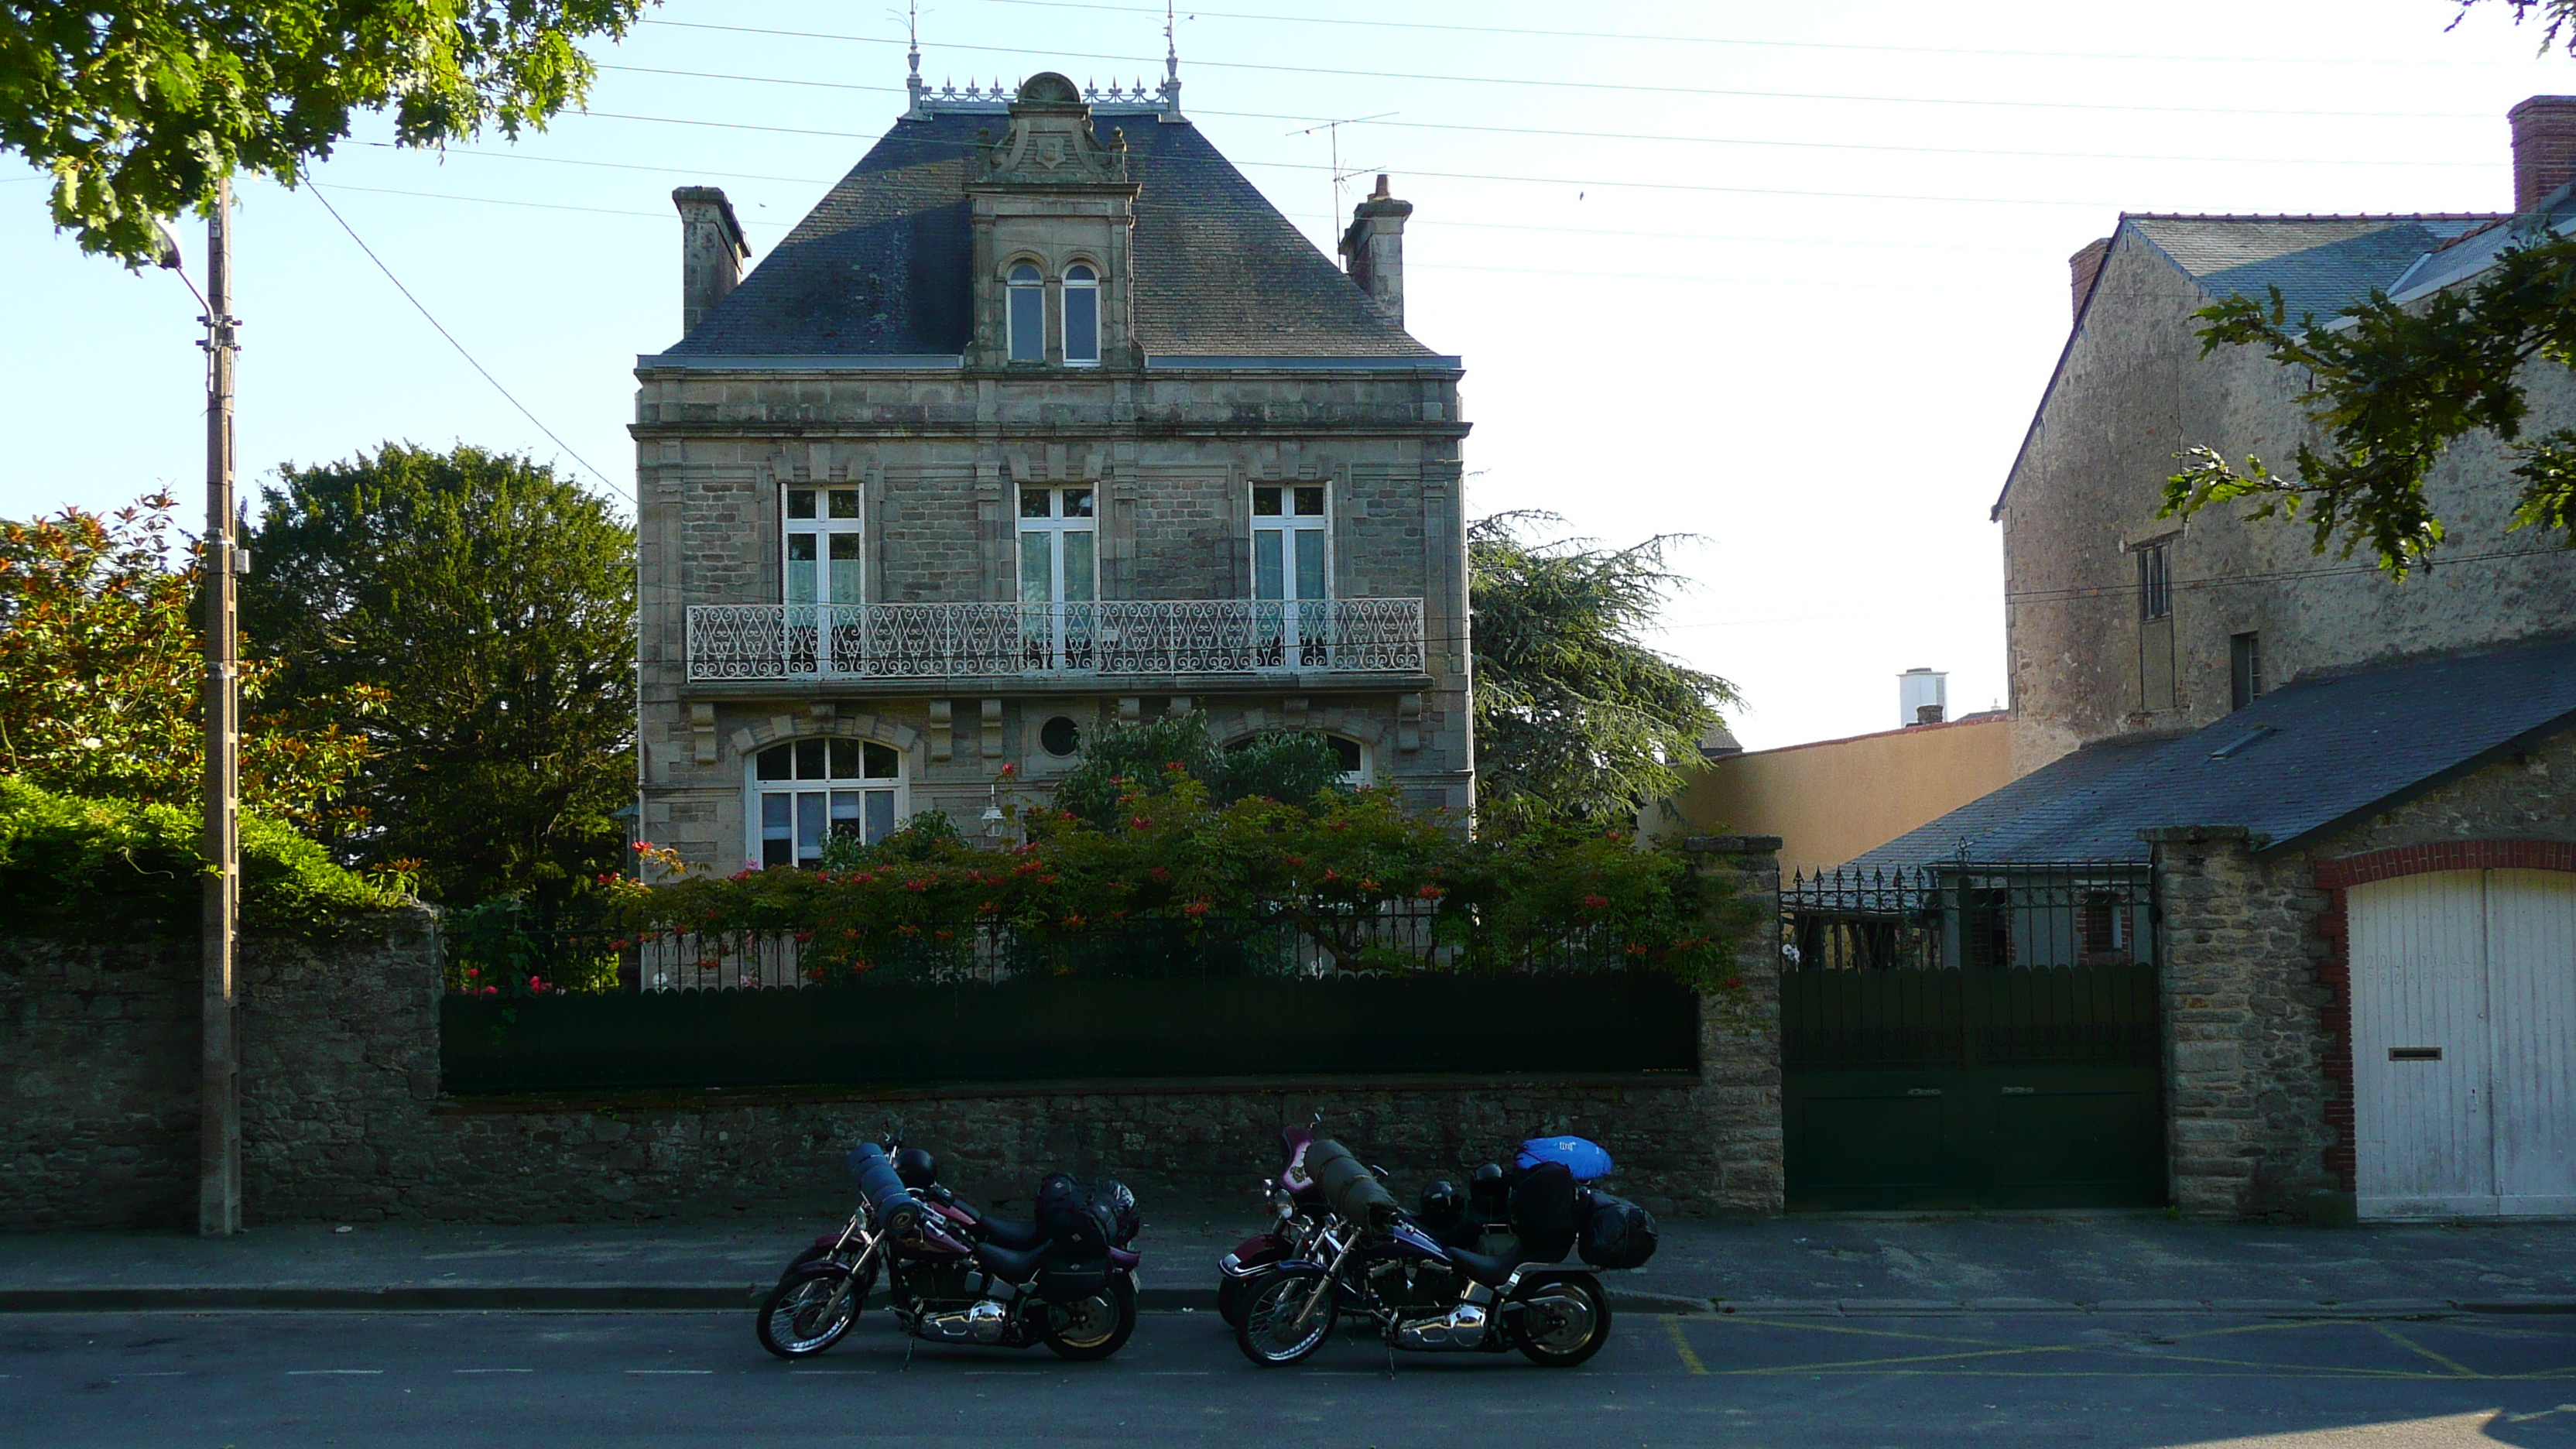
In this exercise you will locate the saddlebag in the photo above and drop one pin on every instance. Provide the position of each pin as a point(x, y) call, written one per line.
point(1070, 1280)
point(1618, 1233)
point(1349, 1186)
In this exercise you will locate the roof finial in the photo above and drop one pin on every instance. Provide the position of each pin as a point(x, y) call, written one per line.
point(912, 85)
point(1171, 87)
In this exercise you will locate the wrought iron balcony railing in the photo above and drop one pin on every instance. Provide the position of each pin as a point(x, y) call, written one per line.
point(1109, 638)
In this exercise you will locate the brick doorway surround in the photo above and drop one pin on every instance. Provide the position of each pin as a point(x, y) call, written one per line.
point(2336, 878)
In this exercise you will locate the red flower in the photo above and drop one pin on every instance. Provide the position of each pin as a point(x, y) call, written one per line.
point(1596, 903)
point(1010, 771)
point(1431, 892)
point(988, 908)
point(804, 936)
point(919, 883)
point(1196, 909)
point(1368, 883)
point(907, 929)
point(1636, 948)
point(491, 990)
point(742, 874)
point(1159, 873)
point(1073, 923)
point(1174, 766)
point(1296, 862)
point(1049, 878)
point(1139, 822)
point(470, 971)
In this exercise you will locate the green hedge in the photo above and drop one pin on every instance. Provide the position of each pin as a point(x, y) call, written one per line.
point(112, 869)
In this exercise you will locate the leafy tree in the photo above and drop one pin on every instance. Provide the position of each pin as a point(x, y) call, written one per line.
point(138, 107)
point(2395, 386)
point(1576, 717)
point(493, 602)
point(102, 672)
point(1290, 767)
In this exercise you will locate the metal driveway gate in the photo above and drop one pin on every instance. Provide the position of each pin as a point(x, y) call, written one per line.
point(1972, 1036)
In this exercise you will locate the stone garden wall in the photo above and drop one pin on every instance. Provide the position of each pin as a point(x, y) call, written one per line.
point(343, 1117)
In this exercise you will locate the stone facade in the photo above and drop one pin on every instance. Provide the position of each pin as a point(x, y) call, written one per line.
point(2257, 991)
point(938, 449)
point(343, 1118)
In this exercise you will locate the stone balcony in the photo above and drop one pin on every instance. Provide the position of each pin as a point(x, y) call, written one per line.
point(1108, 642)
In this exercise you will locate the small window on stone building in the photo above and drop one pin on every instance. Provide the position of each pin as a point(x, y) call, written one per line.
point(2244, 669)
point(1081, 316)
point(2155, 585)
point(824, 554)
point(1027, 318)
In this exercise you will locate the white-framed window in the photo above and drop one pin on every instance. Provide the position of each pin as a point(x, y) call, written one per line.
point(804, 792)
point(1027, 313)
point(1081, 316)
point(824, 546)
point(1059, 553)
point(1292, 542)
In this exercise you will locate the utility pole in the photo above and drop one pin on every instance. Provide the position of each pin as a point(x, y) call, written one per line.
point(219, 1152)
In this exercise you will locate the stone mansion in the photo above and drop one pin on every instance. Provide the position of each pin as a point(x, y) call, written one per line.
point(1043, 419)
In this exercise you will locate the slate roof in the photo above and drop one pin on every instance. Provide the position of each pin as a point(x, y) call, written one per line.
point(2322, 264)
point(2305, 760)
point(880, 268)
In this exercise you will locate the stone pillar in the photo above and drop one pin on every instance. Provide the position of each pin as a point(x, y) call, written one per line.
point(1738, 1101)
point(2245, 1024)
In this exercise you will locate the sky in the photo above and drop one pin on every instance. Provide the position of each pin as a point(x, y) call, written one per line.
point(1785, 281)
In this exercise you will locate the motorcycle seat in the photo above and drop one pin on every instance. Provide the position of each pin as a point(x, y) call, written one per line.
point(1491, 1269)
point(1011, 1265)
point(1018, 1237)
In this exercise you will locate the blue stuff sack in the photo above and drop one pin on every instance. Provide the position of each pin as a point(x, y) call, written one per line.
point(1584, 1158)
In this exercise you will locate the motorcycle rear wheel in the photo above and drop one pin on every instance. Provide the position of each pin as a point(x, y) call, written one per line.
point(1287, 1315)
point(1561, 1322)
point(1094, 1327)
point(799, 1320)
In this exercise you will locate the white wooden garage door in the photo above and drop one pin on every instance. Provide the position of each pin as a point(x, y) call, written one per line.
point(2464, 1043)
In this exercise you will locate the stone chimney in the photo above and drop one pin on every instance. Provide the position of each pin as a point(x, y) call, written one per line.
point(1373, 250)
point(2544, 147)
point(711, 251)
point(2085, 266)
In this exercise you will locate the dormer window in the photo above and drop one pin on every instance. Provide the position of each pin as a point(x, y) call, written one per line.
point(1081, 316)
point(1028, 314)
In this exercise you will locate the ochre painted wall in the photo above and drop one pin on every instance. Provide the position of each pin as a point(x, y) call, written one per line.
point(1834, 799)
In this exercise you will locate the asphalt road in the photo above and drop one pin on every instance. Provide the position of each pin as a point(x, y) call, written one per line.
point(253, 1380)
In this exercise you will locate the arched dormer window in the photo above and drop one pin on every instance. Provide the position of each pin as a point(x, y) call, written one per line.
point(1027, 314)
point(1081, 316)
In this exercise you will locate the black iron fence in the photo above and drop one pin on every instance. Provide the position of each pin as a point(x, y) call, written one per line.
point(1227, 997)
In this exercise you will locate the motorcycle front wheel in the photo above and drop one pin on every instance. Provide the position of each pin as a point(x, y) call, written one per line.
point(1287, 1315)
point(1230, 1294)
point(1094, 1327)
point(1561, 1322)
point(799, 1318)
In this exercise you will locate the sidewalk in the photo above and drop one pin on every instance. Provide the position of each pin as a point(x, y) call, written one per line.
point(1835, 1265)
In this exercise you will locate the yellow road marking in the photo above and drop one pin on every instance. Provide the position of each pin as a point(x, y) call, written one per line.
point(2454, 1365)
point(1681, 1345)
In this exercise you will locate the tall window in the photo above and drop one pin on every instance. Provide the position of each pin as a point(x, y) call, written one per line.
point(2244, 669)
point(1289, 535)
point(806, 791)
point(1028, 314)
point(1081, 316)
point(1058, 561)
point(824, 539)
point(2155, 586)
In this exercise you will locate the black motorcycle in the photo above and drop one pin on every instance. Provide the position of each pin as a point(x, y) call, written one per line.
point(1376, 1260)
point(954, 1275)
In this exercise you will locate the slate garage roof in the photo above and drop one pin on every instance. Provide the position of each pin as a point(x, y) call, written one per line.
point(2299, 763)
point(880, 268)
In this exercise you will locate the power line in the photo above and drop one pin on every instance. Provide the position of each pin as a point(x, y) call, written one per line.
point(1566, 181)
point(1440, 223)
point(1754, 44)
point(1618, 86)
point(459, 346)
point(1667, 137)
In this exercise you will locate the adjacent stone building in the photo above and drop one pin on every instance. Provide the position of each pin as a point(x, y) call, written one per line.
point(1042, 419)
point(2355, 796)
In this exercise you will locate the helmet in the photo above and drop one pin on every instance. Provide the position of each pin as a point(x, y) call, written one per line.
point(1487, 1190)
point(1442, 1205)
point(916, 1167)
point(1112, 1197)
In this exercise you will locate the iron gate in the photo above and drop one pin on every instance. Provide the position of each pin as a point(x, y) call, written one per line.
point(1972, 1036)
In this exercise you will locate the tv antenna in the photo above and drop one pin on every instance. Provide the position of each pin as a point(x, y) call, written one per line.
point(1333, 133)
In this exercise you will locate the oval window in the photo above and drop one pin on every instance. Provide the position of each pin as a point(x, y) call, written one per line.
point(1060, 736)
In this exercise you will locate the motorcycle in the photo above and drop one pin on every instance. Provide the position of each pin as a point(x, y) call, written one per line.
point(1426, 1295)
point(955, 1275)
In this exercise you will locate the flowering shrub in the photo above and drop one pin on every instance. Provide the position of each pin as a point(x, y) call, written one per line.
point(1170, 859)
